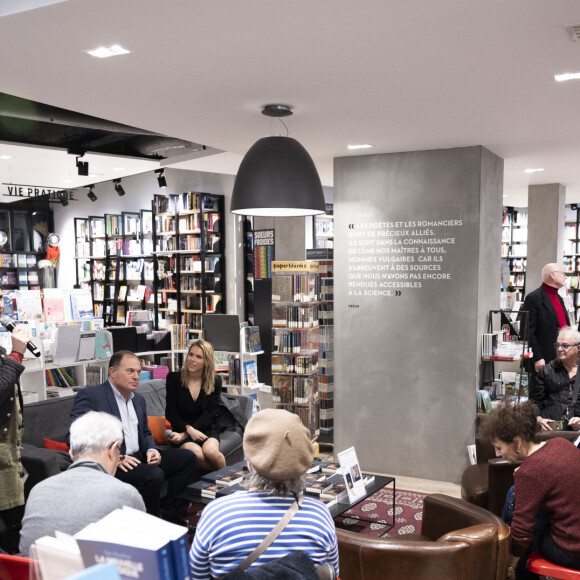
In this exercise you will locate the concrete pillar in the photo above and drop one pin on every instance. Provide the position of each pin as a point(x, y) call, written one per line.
point(545, 229)
point(417, 269)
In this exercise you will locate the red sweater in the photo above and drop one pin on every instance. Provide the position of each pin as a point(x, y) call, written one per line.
point(547, 481)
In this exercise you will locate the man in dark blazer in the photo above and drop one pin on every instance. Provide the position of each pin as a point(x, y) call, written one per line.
point(142, 464)
point(547, 314)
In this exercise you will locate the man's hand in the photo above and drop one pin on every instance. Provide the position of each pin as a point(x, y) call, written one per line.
point(128, 462)
point(538, 365)
point(574, 423)
point(545, 423)
point(20, 337)
point(153, 457)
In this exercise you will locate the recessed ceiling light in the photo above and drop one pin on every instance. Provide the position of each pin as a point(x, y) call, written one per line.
point(67, 180)
point(567, 76)
point(533, 170)
point(4, 157)
point(95, 174)
point(365, 146)
point(107, 51)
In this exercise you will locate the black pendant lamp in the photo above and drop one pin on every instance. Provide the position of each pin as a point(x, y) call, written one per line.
point(277, 177)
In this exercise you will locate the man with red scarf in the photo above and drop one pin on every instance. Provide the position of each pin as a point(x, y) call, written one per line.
point(547, 314)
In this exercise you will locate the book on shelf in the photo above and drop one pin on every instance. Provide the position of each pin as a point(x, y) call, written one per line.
point(81, 304)
point(29, 304)
point(252, 342)
point(282, 288)
point(103, 344)
point(250, 373)
point(9, 278)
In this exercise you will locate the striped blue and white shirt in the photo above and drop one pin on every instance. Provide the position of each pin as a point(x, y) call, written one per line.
point(231, 527)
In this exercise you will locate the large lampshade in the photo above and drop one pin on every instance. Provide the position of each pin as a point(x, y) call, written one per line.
point(277, 177)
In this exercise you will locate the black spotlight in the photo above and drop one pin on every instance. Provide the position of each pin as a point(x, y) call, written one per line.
point(82, 167)
point(161, 177)
point(91, 195)
point(118, 187)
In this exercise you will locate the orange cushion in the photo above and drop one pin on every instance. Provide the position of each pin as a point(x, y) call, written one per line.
point(55, 445)
point(158, 427)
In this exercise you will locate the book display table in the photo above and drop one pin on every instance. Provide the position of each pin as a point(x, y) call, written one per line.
point(193, 494)
point(379, 482)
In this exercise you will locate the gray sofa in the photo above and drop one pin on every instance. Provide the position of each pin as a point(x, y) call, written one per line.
point(50, 419)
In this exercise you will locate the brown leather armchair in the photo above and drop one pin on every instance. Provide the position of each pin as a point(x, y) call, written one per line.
point(458, 541)
point(486, 484)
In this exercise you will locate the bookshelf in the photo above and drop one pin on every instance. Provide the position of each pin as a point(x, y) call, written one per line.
point(571, 260)
point(295, 303)
point(249, 275)
point(189, 262)
point(23, 235)
point(323, 229)
point(514, 237)
point(324, 257)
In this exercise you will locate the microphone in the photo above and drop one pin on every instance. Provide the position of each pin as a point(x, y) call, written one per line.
point(10, 326)
point(168, 434)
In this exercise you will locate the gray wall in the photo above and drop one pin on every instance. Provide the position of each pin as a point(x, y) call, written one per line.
point(546, 212)
point(407, 363)
point(139, 195)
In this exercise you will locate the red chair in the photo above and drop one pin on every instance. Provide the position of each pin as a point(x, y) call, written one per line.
point(18, 568)
point(538, 565)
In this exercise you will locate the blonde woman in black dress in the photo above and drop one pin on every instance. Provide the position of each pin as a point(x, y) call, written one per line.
point(192, 406)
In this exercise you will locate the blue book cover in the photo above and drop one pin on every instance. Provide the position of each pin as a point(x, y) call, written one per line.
point(98, 572)
point(133, 563)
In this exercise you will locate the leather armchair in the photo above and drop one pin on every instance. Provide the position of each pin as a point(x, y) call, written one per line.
point(459, 541)
point(486, 484)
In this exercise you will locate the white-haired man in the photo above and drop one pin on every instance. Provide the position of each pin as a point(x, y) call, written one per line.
point(87, 490)
point(547, 314)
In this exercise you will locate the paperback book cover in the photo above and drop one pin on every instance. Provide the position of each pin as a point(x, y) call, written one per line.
point(250, 373)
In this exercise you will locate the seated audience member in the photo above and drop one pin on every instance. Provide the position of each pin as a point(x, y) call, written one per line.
point(546, 514)
point(553, 390)
point(87, 490)
point(278, 451)
point(142, 464)
point(192, 405)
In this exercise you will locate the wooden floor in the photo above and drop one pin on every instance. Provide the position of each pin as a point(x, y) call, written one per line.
point(412, 483)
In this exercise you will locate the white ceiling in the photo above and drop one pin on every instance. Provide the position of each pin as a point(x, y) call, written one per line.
point(399, 74)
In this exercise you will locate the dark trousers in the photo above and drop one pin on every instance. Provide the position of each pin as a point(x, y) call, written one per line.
point(548, 549)
point(177, 466)
point(10, 525)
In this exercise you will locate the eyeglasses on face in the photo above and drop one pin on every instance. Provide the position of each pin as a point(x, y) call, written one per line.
point(563, 345)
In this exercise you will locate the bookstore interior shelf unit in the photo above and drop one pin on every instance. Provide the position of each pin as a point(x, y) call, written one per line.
point(23, 243)
point(295, 325)
point(514, 248)
point(571, 261)
point(249, 277)
point(324, 257)
point(506, 344)
point(168, 260)
point(55, 375)
point(189, 269)
point(323, 228)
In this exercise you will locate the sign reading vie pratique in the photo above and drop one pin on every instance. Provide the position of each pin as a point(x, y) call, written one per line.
point(53, 193)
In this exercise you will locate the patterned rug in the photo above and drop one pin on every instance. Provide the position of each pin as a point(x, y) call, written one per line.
point(371, 516)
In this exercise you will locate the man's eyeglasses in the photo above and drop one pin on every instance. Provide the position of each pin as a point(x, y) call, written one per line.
point(563, 345)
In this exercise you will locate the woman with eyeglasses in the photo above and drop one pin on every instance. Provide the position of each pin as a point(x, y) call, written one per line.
point(555, 392)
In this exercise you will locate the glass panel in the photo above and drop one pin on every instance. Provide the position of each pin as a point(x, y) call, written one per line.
point(39, 230)
point(6, 239)
point(21, 233)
